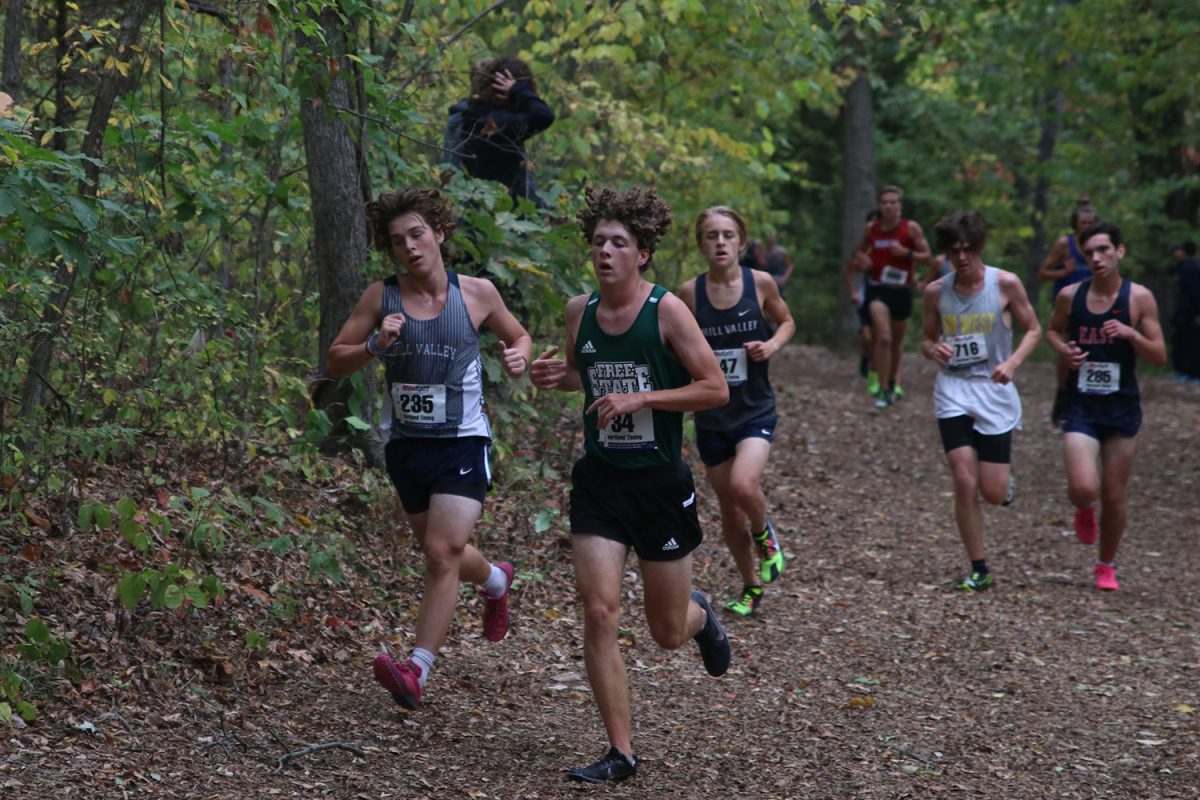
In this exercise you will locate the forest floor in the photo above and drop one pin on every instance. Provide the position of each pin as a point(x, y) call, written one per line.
point(863, 675)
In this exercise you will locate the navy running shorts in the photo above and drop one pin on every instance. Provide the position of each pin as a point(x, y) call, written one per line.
point(960, 432)
point(1102, 417)
point(651, 509)
point(717, 447)
point(421, 468)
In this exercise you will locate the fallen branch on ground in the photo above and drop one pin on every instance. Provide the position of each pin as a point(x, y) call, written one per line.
point(316, 748)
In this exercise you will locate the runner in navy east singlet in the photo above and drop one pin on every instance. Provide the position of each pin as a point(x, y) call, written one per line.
point(744, 320)
point(1101, 327)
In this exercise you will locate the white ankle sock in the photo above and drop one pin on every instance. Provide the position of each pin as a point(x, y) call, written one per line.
point(423, 659)
point(496, 584)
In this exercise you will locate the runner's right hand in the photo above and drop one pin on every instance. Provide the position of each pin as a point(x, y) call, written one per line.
point(389, 330)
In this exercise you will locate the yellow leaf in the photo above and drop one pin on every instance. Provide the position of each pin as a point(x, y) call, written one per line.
point(1185, 708)
point(46, 137)
point(304, 521)
point(166, 82)
point(124, 68)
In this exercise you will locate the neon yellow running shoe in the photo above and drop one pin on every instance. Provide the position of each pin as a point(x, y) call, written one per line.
point(745, 605)
point(770, 553)
point(975, 583)
point(872, 383)
point(898, 392)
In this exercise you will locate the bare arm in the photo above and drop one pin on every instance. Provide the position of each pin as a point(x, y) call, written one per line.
point(1056, 334)
point(775, 310)
point(516, 346)
point(1053, 267)
point(1022, 311)
point(1148, 342)
point(687, 293)
point(787, 273)
point(932, 346)
point(920, 247)
point(349, 353)
point(548, 372)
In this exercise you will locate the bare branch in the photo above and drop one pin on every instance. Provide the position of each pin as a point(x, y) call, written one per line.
point(429, 59)
point(316, 748)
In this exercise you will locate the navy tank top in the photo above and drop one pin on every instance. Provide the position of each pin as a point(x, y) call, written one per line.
point(727, 331)
point(1109, 371)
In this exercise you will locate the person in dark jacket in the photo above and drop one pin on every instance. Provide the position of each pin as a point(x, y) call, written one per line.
point(502, 113)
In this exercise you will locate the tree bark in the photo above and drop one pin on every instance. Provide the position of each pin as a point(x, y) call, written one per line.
point(340, 244)
point(112, 85)
point(14, 27)
point(858, 194)
point(1051, 114)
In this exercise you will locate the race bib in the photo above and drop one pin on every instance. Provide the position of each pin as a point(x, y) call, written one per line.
point(629, 431)
point(1099, 377)
point(733, 364)
point(419, 403)
point(893, 276)
point(969, 349)
point(626, 431)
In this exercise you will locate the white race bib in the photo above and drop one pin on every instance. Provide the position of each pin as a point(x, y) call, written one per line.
point(733, 364)
point(893, 276)
point(629, 431)
point(1099, 377)
point(969, 349)
point(419, 403)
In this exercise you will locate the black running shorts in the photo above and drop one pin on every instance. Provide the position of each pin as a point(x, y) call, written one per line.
point(421, 468)
point(960, 432)
point(652, 509)
point(898, 299)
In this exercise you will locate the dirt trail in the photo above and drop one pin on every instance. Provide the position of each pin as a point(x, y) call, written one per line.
point(864, 675)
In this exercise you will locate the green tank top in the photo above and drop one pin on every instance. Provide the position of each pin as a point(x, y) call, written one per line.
point(634, 361)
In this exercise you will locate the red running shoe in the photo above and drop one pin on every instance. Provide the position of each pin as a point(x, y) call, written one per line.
point(1086, 526)
point(1106, 578)
point(495, 610)
point(402, 680)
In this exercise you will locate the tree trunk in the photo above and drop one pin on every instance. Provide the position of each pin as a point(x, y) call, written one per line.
point(14, 24)
point(1051, 114)
point(340, 242)
point(112, 84)
point(858, 195)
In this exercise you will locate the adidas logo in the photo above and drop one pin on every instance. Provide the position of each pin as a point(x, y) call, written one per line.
point(588, 347)
point(671, 545)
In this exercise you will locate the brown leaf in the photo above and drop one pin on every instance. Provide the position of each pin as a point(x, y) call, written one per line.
point(41, 522)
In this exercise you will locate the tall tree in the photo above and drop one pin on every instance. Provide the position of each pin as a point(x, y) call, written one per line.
point(113, 83)
point(858, 190)
point(14, 24)
point(335, 172)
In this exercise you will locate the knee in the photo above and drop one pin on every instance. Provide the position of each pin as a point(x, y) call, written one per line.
point(966, 482)
point(601, 616)
point(442, 557)
point(743, 494)
point(669, 634)
point(993, 495)
point(883, 338)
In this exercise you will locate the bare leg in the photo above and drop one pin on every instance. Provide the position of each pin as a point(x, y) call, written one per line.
point(1116, 456)
point(737, 483)
point(599, 565)
point(881, 324)
point(967, 513)
point(993, 481)
point(672, 616)
point(443, 531)
point(1081, 453)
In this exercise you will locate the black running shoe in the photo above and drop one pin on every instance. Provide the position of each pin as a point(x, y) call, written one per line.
point(615, 767)
point(714, 644)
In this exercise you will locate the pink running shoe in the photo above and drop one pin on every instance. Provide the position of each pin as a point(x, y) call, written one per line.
point(495, 610)
point(1086, 527)
point(402, 680)
point(1106, 578)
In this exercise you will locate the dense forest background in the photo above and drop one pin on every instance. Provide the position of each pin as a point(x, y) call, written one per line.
point(182, 228)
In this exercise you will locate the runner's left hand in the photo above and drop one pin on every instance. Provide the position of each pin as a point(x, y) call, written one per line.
point(513, 360)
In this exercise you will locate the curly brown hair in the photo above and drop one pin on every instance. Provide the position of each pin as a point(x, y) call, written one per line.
point(485, 69)
point(640, 210)
point(429, 204)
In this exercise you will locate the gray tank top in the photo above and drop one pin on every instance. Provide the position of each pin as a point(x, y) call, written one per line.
point(434, 372)
point(975, 327)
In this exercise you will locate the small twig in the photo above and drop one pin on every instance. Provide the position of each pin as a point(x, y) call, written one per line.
point(316, 748)
point(429, 59)
point(112, 713)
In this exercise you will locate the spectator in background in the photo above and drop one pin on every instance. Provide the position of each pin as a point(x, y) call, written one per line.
point(502, 113)
point(1185, 339)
